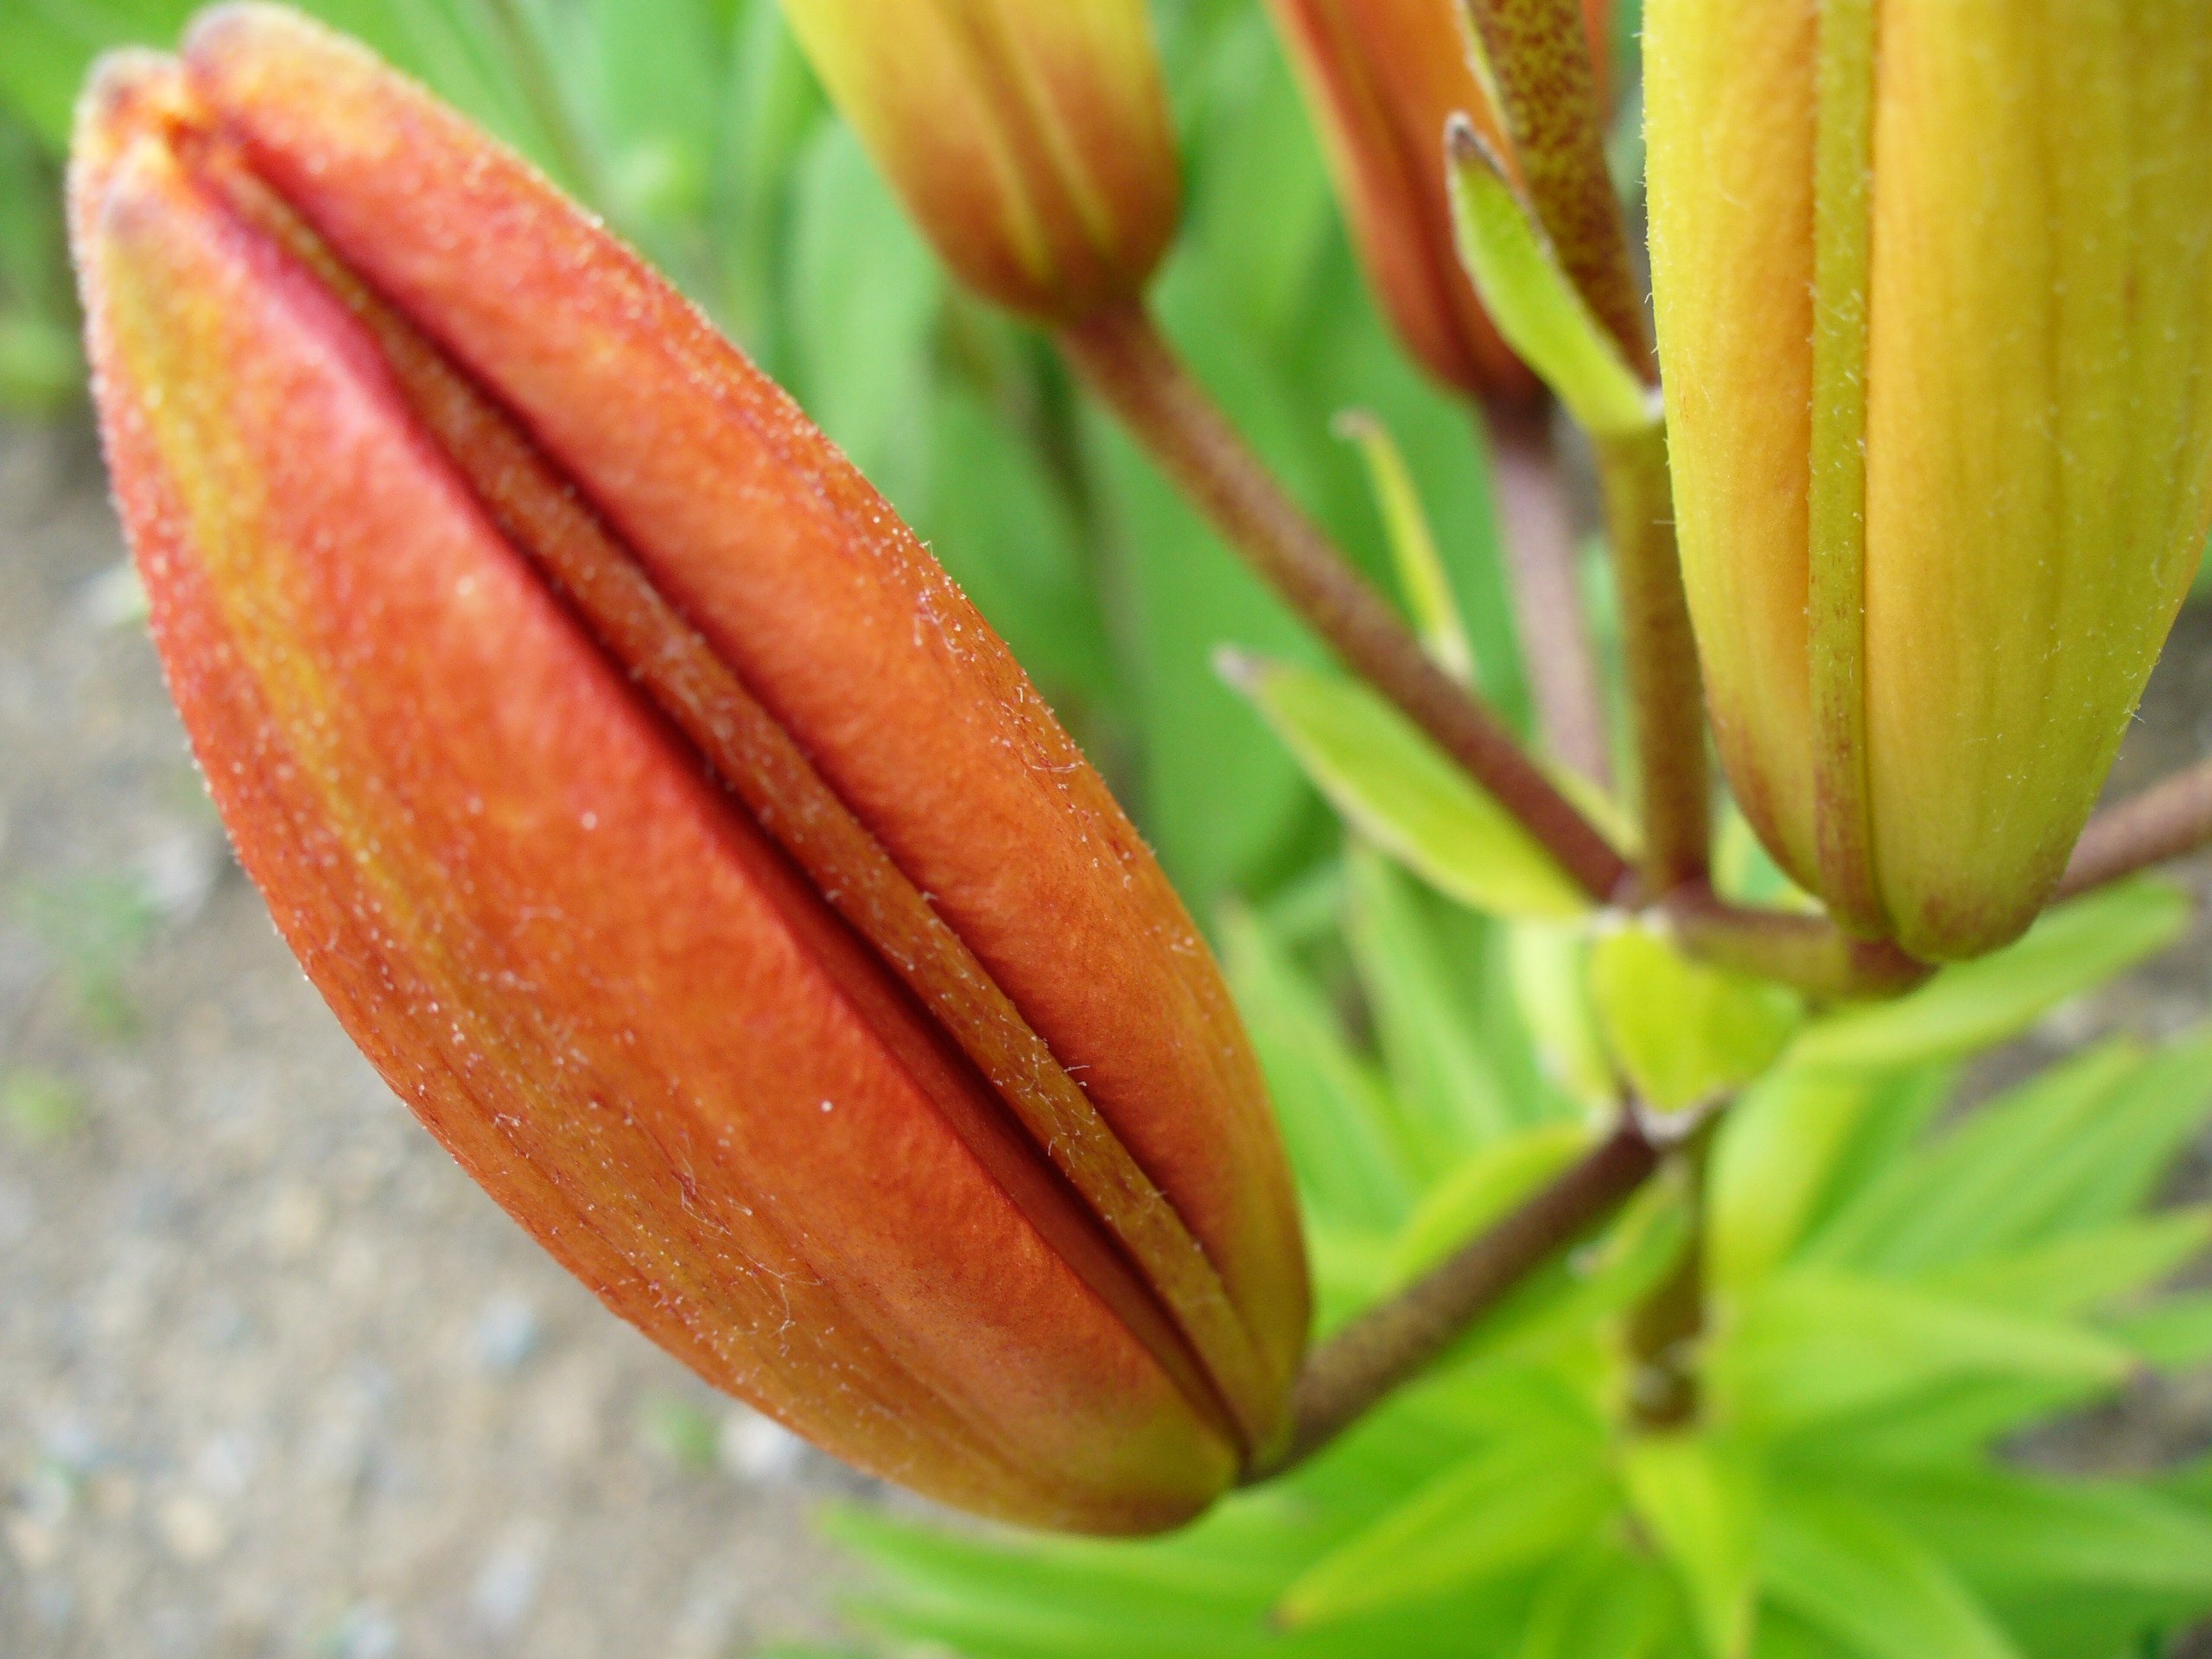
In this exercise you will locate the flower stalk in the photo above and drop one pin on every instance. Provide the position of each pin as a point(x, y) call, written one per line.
point(1121, 355)
point(1390, 1344)
point(1550, 618)
point(1664, 684)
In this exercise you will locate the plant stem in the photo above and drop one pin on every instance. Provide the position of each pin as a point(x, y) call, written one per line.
point(2165, 821)
point(1121, 354)
point(1810, 953)
point(1663, 1330)
point(1665, 685)
point(1547, 607)
point(1385, 1347)
point(1538, 52)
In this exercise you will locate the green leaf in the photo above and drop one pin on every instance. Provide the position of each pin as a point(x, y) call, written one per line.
point(867, 298)
point(1399, 790)
point(1533, 300)
point(1984, 1185)
point(1812, 1345)
point(1776, 1154)
point(2007, 1530)
point(1220, 798)
point(1850, 1573)
point(2173, 1331)
point(1602, 1602)
point(1422, 577)
point(1548, 966)
point(2119, 1158)
point(1968, 1007)
point(1502, 1511)
point(1480, 1190)
point(1345, 1144)
point(1428, 1030)
point(1683, 1031)
point(2080, 1272)
point(1699, 1506)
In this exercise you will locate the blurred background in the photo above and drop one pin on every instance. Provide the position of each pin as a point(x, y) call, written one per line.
point(274, 1377)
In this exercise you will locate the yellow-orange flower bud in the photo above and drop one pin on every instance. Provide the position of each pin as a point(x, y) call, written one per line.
point(1934, 297)
point(1030, 139)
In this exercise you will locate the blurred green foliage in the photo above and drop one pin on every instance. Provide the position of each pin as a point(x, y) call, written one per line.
point(696, 129)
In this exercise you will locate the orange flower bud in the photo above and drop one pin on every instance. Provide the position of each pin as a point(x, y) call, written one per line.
point(1384, 77)
point(1030, 139)
point(655, 815)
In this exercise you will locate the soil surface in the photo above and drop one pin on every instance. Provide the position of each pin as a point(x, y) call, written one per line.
point(275, 1378)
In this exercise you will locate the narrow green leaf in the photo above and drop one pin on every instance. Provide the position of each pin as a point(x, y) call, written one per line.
point(1345, 1144)
point(1965, 1009)
point(866, 296)
point(1683, 1032)
point(1985, 1182)
point(1421, 578)
point(1480, 1190)
point(1395, 786)
point(1698, 1502)
point(1849, 1572)
point(2118, 1159)
point(2173, 1331)
point(1549, 967)
point(1501, 1511)
point(1812, 1345)
point(2005, 1530)
point(2078, 1273)
point(1602, 1602)
point(1533, 300)
point(1776, 1154)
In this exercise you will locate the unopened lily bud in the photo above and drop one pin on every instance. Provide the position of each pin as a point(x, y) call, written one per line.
point(658, 818)
point(1934, 282)
point(1030, 139)
point(1385, 78)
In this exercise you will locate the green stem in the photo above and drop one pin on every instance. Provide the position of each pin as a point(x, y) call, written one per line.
point(1663, 1329)
point(1121, 354)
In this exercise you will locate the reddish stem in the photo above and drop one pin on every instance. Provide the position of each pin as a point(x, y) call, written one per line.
point(1549, 612)
point(1387, 1346)
point(1122, 356)
point(2165, 821)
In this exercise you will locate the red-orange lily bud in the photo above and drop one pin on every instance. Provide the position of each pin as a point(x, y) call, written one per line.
point(1384, 77)
point(655, 815)
point(1030, 139)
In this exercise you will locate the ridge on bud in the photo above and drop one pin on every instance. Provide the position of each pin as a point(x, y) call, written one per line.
point(1934, 283)
point(658, 818)
point(1384, 78)
point(1030, 139)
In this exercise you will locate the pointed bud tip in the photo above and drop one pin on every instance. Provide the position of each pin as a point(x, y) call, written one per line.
point(1466, 145)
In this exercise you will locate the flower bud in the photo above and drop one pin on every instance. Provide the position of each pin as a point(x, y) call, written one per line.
point(1384, 77)
point(658, 818)
point(1934, 282)
point(1030, 139)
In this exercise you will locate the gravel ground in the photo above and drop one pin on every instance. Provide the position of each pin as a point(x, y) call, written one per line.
point(274, 1377)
